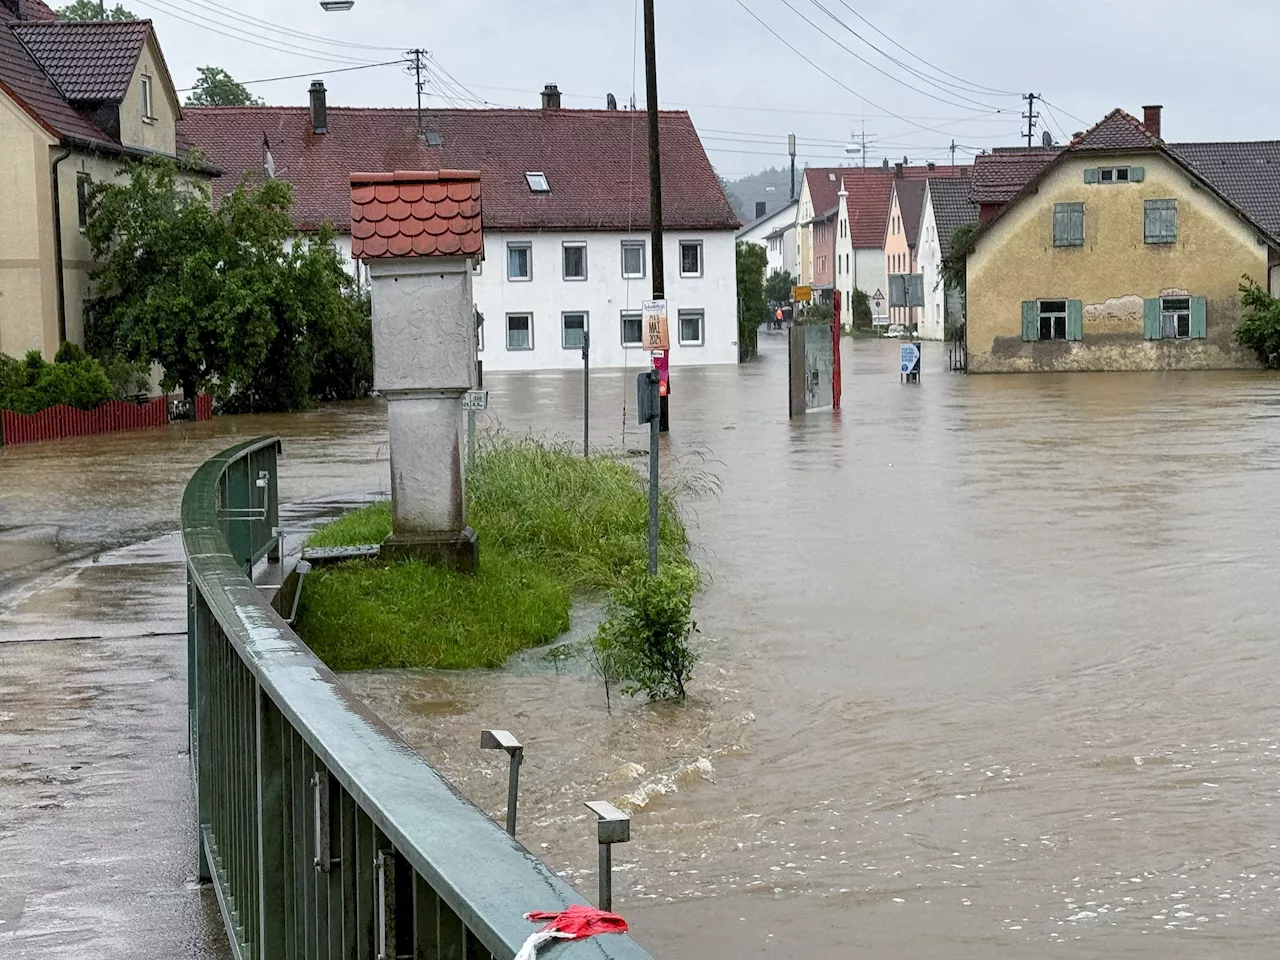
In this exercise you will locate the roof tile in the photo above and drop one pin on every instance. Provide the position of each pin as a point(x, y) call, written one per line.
point(595, 161)
point(88, 60)
point(388, 224)
point(1116, 131)
point(952, 209)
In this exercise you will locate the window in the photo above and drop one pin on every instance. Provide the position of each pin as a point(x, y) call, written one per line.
point(479, 332)
point(691, 328)
point(537, 181)
point(146, 99)
point(83, 183)
point(519, 331)
point(575, 261)
point(1175, 318)
point(1068, 224)
point(1162, 221)
point(573, 326)
point(1053, 320)
point(1115, 175)
point(633, 259)
point(690, 258)
point(631, 328)
point(519, 261)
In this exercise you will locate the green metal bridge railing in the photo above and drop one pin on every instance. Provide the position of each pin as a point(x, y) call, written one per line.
point(323, 833)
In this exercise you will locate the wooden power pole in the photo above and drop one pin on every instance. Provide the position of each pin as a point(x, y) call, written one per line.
point(655, 179)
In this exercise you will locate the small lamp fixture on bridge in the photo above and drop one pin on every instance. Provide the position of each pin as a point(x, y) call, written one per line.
point(612, 826)
point(503, 740)
point(336, 6)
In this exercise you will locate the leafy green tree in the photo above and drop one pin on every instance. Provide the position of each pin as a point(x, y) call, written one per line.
point(230, 301)
point(954, 267)
point(752, 311)
point(777, 289)
point(1259, 329)
point(646, 637)
point(858, 313)
point(216, 88)
point(92, 10)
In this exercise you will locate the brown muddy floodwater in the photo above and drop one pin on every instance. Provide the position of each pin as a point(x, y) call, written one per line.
point(995, 673)
point(991, 665)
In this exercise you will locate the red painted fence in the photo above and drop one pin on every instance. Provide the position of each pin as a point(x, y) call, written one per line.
point(64, 421)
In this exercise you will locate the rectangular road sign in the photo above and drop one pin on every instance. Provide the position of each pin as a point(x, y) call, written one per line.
point(655, 332)
point(475, 400)
point(801, 294)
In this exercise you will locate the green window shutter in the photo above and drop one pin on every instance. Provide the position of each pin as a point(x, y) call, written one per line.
point(1199, 318)
point(1137, 174)
point(1030, 320)
point(1091, 175)
point(1075, 319)
point(1151, 319)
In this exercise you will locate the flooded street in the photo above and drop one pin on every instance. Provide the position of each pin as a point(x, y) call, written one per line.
point(990, 663)
point(995, 668)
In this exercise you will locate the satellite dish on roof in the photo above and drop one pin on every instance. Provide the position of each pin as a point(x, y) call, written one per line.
point(1046, 139)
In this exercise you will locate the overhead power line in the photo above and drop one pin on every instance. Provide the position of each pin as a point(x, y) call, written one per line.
point(309, 73)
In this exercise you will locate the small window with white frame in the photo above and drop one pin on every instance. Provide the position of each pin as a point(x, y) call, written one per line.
point(632, 328)
point(519, 331)
point(691, 327)
point(690, 258)
point(147, 116)
point(633, 260)
point(519, 261)
point(1175, 318)
point(574, 256)
point(538, 182)
point(573, 327)
point(1053, 319)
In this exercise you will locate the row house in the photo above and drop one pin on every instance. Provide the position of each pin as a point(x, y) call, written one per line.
point(776, 233)
point(566, 215)
point(1120, 251)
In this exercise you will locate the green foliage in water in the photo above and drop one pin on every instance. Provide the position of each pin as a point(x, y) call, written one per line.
point(1259, 328)
point(31, 385)
point(550, 523)
point(648, 630)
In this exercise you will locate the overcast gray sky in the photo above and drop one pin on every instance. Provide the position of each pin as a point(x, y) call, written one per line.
point(1211, 65)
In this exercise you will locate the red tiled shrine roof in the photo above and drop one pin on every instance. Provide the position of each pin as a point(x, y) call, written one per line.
point(416, 213)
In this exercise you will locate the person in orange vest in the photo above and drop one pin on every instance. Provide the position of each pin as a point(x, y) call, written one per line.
point(778, 317)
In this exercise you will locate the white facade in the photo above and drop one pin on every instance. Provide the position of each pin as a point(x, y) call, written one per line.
point(776, 232)
point(859, 267)
point(932, 321)
point(548, 305)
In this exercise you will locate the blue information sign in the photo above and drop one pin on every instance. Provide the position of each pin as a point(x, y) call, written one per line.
point(910, 358)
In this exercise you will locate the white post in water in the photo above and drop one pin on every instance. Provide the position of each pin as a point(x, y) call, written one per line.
point(419, 234)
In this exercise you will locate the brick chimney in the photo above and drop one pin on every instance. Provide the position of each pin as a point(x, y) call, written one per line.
point(551, 97)
point(897, 171)
point(1151, 120)
point(319, 109)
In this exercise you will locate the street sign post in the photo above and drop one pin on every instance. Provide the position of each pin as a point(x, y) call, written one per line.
point(801, 294)
point(909, 363)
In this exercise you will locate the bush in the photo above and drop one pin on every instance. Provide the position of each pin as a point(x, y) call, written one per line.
point(31, 385)
point(1259, 329)
point(858, 311)
point(818, 313)
point(648, 629)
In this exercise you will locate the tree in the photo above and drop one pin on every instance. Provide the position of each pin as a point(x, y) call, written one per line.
point(1259, 328)
point(91, 10)
point(752, 311)
point(954, 267)
point(216, 88)
point(230, 301)
point(777, 289)
point(645, 639)
point(858, 312)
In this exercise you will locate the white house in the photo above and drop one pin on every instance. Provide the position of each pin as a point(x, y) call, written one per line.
point(776, 232)
point(566, 214)
point(946, 208)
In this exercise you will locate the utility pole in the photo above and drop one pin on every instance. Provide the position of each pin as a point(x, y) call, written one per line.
point(655, 185)
point(1031, 116)
point(864, 144)
point(415, 56)
point(953, 151)
point(791, 149)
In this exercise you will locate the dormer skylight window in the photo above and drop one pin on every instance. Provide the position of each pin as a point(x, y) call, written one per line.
point(538, 182)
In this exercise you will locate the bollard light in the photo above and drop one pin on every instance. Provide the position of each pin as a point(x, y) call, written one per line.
point(504, 740)
point(612, 826)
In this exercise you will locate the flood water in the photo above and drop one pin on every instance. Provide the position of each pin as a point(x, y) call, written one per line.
point(990, 663)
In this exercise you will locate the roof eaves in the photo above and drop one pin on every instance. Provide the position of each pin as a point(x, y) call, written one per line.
point(30, 111)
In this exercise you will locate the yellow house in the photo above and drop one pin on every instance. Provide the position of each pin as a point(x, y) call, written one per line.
point(76, 100)
point(1124, 253)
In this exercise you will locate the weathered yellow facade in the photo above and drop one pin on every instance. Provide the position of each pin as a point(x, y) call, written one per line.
point(28, 150)
point(1113, 272)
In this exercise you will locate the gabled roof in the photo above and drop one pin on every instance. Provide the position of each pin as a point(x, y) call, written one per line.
point(910, 195)
point(91, 60)
point(788, 207)
point(870, 192)
point(1243, 176)
point(1116, 131)
point(999, 176)
point(952, 209)
point(595, 161)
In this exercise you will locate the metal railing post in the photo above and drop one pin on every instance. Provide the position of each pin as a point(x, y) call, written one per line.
point(612, 826)
point(503, 740)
